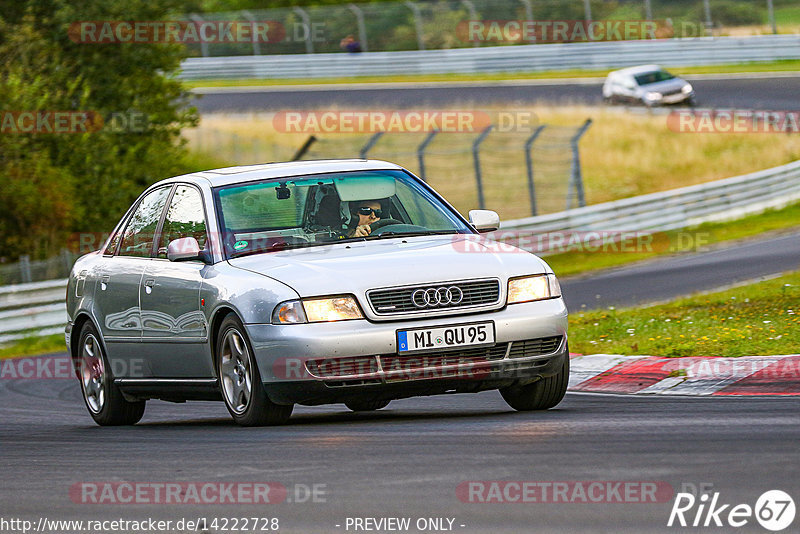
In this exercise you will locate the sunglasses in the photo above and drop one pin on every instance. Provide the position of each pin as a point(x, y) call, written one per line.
point(366, 212)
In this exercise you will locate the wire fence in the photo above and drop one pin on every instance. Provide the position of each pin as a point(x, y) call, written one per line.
point(442, 24)
point(26, 270)
point(518, 174)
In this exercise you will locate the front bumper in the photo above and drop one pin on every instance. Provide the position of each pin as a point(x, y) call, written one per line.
point(283, 353)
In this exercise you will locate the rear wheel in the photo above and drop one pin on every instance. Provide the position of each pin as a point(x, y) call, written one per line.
point(539, 395)
point(103, 398)
point(366, 406)
point(240, 381)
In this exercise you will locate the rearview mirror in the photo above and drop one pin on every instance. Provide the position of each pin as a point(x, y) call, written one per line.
point(183, 249)
point(484, 220)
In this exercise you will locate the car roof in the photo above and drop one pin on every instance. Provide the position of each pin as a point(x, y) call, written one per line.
point(265, 171)
point(638, 69)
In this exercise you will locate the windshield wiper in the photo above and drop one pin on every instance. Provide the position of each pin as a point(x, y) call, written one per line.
point(412, 234)
point(274, 247)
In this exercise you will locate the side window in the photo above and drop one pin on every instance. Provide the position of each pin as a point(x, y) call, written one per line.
point(137, 239)
point(185, 218)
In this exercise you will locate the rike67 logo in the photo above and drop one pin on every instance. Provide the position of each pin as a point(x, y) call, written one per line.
point(774, 510)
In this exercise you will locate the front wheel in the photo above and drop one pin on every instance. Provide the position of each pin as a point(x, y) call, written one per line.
point(103, 398)
point(539, 395)
point(240, 381)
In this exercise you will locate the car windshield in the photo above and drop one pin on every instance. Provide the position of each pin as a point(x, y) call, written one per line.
point(655, 76)
point(307, 211)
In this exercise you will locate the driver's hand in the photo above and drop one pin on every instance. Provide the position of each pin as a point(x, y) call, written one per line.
point(362, 231)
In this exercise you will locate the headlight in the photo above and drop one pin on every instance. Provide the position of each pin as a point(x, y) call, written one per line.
point(317, 310)
point(530, 288)
point(331, 309)
point(687, 89)
point(653, 96)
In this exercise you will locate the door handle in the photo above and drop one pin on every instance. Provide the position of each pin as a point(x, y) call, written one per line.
point(104, 282)
point(148, 285)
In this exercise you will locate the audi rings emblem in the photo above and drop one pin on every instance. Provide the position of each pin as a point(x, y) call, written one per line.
point(433, 297)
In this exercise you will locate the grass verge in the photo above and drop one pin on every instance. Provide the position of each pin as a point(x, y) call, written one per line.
point(772, 66)
point(678, 241)
point(33, 346)
point(760, 319)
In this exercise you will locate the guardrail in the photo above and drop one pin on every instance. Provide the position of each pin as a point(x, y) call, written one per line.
point(519, 58)
point(39, 308)
point(719, 200)
point(32, 309)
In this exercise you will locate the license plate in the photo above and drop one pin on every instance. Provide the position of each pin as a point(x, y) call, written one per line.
point(445, 337)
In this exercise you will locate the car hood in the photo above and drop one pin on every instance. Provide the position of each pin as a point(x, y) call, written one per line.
point(360, 266)
point(667, 86)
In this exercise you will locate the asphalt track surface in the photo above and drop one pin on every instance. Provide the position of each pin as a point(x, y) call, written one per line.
point(762, 93)
point(408, 459)
point(665, 279)
point(404, 461)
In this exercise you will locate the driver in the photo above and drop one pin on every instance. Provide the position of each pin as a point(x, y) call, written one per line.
point(363, 214)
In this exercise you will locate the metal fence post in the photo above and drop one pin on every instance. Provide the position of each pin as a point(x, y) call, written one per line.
point(477, 161)
point(648, 9)
point(473, 15)
point(587, 10)
point(371, 143)
point(576, 178)
point(771, 16)
point(256, 44)
point(66, 257)
point(303, 149)
point(417, 23)
point(528, 10)
point(362, 28)
point(421, 152)
point(25, 269)
point(707, 11)
point(307, 23)
point(529, 167)
point(203, 44)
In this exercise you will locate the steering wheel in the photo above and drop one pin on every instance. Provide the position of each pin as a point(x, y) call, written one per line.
point(377, 225)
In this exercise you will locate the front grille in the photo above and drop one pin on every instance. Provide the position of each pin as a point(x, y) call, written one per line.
point(400, 300)
point(404, 362)
point(534, 347)
point(335, 367)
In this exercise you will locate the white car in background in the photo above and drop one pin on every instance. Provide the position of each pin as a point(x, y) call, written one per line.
point(647, 84)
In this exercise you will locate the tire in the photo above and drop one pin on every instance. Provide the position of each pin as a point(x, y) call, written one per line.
point(366, 406)
point(539, 395)
point(102, 397)
point(240, 382)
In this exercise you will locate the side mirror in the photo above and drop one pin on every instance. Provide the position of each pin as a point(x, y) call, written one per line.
point(484, 220)
point(183, 249)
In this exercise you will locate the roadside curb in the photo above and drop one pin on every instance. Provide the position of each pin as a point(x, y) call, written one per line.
point(698, 376)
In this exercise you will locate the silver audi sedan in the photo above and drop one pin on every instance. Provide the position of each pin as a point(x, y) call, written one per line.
point(342, 281)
